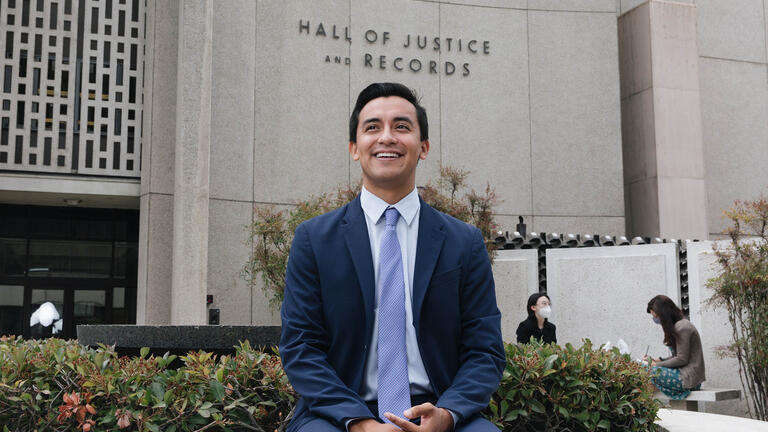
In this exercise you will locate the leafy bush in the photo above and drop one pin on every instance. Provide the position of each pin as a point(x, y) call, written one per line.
point(546, 387)
point(55, 385)
point(741, 289)
point(271, 233)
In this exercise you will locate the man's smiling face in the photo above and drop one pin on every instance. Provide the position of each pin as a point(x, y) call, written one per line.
point(389, 146)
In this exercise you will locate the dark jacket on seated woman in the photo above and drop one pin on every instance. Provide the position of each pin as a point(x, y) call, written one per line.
point(530, 327)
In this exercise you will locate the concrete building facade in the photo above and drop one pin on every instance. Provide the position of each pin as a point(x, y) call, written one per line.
point(587, 116)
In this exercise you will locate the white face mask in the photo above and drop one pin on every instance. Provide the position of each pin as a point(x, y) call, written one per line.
point(545, 312)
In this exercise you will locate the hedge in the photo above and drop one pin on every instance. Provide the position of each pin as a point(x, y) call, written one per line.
point(58, 385)
point(546, 387)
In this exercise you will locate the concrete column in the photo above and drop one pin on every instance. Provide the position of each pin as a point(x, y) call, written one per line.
point(192, 160)
point(153, 300)
point(664, 182)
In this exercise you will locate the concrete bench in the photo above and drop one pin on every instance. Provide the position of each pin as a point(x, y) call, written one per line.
point(691, 403)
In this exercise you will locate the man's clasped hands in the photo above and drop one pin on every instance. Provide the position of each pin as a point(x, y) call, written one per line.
point(433, 419)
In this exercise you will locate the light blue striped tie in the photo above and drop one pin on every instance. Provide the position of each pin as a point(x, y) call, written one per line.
point(394, 387)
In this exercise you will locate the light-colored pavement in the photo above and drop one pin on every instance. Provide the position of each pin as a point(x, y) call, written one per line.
point(690, 421)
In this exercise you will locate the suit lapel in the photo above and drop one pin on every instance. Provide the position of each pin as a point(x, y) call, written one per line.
point(356, 236)
point(428, 246)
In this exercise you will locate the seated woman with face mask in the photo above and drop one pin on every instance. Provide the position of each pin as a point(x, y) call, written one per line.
point(536, 325)
point(677, 375)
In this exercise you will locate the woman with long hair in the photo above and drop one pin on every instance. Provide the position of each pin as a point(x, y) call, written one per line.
point(683, 371)
point(537, 325)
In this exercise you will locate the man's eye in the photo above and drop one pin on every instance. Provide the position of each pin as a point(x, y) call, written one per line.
point(370, 127)
point(403, 126)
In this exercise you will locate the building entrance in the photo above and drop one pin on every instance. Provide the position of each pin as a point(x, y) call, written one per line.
point(60, 267)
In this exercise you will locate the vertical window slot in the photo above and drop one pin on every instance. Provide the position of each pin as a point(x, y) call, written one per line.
point(89, 154)
point(19, 150)
point(116, 155)
point(51, 66)
point(95, 20)
point(23, 64)
point(107, 47)
point(54, 15)
point(20, 114)
point(121, 23)
point(25, 13)
point(38, 47)
point(65, 49)
point(135, 11)
point(133, 56)
point(47, 151)
point(8, 79)
point(119, 77)
point(9, 44)
point(36, 81)
point(118, 121)
point(132, 89)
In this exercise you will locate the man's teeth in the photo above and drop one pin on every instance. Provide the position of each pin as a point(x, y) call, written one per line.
point(387, 155)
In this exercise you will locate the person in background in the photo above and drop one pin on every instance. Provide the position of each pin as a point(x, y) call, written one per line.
point(677, 375)
point(537, 325)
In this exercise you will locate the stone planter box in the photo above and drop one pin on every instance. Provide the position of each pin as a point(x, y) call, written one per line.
point(179, 340)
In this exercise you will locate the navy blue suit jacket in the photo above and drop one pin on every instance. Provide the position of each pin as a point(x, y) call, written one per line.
point(328, 314)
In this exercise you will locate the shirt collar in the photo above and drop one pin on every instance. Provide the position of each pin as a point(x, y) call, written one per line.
point(374, 206)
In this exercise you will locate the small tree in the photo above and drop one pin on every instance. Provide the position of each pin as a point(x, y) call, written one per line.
point(271, 233)
point(741, 289)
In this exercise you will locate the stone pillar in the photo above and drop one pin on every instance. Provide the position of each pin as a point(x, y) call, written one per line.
point(664, 183)
point(153, 299)
point(192, 160)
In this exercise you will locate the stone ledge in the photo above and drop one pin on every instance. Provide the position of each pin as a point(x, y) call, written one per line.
point(219, 339)
point(688, 421)
point(707, 395)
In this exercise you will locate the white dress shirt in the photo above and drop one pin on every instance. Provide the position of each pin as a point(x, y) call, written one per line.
point(407, 235)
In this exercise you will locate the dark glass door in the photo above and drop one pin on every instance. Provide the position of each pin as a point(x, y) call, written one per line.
point(11, 309)
point(48, 315)
point(56, 309)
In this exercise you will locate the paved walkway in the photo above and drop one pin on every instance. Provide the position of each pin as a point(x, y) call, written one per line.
point(690, 421)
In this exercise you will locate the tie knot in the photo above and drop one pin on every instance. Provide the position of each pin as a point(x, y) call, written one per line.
point(391, 215)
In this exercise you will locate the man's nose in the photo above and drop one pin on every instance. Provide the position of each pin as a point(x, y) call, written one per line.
point(387, 136)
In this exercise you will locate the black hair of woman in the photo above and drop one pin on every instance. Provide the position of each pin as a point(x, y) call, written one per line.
point(533, 299)
point(668, 314)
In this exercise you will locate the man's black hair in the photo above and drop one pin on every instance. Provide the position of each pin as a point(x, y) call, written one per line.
point(377, 90)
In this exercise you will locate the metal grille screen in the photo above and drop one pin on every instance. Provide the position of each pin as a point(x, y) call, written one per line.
point(72, 75)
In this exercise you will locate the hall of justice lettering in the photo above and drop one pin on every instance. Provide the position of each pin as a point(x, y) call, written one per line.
point(410, 41)
point(320, 30)
point(414, 65)
point(438, 44)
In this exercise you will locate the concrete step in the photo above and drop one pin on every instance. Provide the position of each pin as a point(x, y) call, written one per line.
point(707, 395)
point(691, 421)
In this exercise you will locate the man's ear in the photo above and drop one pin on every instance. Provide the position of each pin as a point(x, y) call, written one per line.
point(424, 149)
point(353, 150)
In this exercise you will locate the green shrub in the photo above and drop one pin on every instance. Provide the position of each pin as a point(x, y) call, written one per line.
point(546, 387)
point(56, 385)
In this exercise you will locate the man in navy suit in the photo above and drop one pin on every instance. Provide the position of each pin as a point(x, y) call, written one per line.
point(340, 344)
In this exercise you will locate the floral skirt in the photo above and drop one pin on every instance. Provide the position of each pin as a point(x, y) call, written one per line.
point(669, 382)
